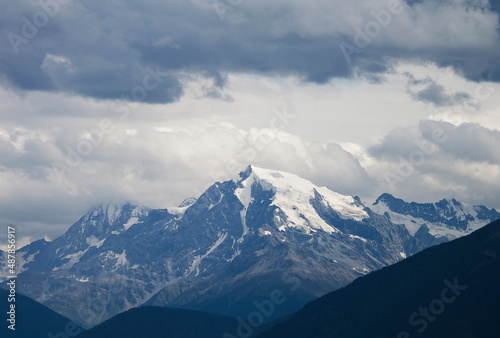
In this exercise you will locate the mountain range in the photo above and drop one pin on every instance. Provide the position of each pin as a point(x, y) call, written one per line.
point(450, 290)
point(259, 247)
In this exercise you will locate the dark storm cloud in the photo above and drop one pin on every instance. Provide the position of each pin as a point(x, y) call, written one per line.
point(428, 91)
point(101, 49)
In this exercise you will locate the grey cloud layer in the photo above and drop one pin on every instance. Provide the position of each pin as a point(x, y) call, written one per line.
point(462, 162)
point(428, 91)
point(101, 49)
point(468, 141)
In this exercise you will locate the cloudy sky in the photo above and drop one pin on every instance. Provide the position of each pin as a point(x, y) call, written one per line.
point(153, 101)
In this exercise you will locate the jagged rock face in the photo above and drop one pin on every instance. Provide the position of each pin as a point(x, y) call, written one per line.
point(446, 219)
point(233, 246)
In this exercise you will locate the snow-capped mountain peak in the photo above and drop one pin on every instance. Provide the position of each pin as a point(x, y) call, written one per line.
point(188, 202)
point(179, 211)
point(236, 238)
point(293, 195)
point(101, 222)
point(112, 212)
point(447, 218)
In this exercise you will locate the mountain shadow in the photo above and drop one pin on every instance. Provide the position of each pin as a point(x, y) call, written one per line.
point(450, 290)
point(33, 319)
point(158, 322)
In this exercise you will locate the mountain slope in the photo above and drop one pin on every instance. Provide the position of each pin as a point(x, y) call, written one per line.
point(293, 236)
point(33, 319)
point(450, 290)
point(156, 322)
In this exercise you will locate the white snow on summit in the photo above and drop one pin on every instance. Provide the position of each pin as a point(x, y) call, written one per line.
point(244, 194)
point(409, 222)
point(436, 229)
point(293, 195)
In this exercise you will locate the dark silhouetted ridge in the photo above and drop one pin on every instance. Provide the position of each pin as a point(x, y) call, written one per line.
point(33, 319)
point(158, 322)
point(458, 282)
